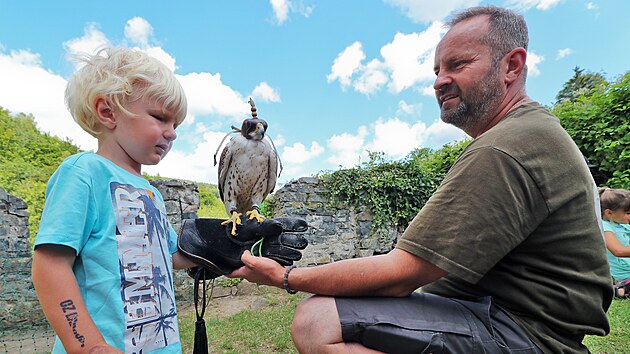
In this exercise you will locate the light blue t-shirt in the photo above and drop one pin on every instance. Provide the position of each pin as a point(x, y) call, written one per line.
point(117, 224)
point(619, 266)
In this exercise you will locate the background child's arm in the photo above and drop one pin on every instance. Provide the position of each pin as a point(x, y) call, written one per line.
point(615, 246)
point(61, 300)
point(182, 262)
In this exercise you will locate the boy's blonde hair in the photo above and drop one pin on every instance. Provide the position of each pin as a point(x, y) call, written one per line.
point(117, 74)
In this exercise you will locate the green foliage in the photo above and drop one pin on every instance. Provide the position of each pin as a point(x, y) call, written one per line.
point(266, 207)
point(598, 123)
point(581, 84)
point(210, 204)
point(228, 282)
point(393, 190)
point(27, 160)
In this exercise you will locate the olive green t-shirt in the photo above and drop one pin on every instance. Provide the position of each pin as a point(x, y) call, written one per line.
point(515, 219)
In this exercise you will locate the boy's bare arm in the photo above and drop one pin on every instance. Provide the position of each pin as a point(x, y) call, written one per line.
point(61, 300)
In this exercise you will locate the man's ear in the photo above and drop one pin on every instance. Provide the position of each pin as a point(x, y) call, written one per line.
point(104, 112)
point(516, 59)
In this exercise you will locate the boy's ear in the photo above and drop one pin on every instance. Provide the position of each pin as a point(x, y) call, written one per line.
point(104, 112)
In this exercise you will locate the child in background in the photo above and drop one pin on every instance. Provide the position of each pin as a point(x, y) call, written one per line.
point(615, 205)
point(105, 251)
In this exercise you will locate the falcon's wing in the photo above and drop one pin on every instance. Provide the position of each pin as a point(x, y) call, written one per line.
point(224, 166)
point(273, 169)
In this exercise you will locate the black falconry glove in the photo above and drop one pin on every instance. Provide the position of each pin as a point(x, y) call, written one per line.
point(211, 245)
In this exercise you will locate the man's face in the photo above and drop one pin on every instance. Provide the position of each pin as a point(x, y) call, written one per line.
point(468, 86)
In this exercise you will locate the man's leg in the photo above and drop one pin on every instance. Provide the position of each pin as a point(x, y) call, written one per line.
point(419, 323)
point(316, 328)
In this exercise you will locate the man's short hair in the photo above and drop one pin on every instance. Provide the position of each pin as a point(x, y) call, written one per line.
point(507, 29)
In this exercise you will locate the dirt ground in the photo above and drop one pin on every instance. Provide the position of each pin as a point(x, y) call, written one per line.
point(248, 297)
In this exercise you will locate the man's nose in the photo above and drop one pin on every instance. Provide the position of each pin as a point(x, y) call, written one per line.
point(441, 80)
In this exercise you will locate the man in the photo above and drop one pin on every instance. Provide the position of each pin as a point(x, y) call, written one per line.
point(507, 251)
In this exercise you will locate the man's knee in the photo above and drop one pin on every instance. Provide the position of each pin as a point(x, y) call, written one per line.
point(307, 314)
point(316, 314)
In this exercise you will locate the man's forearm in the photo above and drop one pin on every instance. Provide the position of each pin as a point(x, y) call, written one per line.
point(395, 274)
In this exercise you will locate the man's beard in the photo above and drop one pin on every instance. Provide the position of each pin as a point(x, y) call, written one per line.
point(476, 105)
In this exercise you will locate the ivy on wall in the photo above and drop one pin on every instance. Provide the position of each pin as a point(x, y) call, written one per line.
point(394, 191)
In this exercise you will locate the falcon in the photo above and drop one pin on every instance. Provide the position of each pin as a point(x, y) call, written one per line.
point(248, 169)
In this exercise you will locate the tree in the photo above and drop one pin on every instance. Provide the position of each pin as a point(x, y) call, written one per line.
point(581, 84)
point(598, 123)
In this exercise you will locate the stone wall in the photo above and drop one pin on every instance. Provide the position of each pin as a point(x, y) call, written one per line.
point(182, 202)
point(335, 232)
point(19, 306)
point(18, 301)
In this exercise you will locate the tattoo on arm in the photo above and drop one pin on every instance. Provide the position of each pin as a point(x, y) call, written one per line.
point(68, 308)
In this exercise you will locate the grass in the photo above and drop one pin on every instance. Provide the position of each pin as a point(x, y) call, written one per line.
point(260, 331)
point(618, 341)
point(268, 330)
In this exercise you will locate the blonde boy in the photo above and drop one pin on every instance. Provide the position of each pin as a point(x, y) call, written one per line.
point(105, 251)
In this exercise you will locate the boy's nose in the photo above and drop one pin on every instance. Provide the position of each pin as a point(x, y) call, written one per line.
point(170, 133)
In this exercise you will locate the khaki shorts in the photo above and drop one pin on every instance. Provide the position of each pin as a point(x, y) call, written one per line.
point(427, 323)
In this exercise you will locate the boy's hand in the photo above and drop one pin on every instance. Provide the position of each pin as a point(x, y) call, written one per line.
point(208, 243)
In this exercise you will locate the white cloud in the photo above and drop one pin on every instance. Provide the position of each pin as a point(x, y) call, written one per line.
point(427, 11)
point(591, 6)
point(298, 153)
point(138, 30)
point(440, 133)
point(563, 53)
point(525, 5)
point(409, 57)
point(427, 91)
point(406, 61)
point(393, 137)
point(397, 138)
point(282, 8)
point(91, 41)
point(196, 166)
point(347, 149)
point(207, 94)
point(21, 71)
point(346, 63)
point(371, 79)
point(408, 108)
point(266, 93)
point(532, 62)
point(159, 54)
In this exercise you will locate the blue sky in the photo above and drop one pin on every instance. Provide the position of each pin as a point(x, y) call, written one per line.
point(334, 79)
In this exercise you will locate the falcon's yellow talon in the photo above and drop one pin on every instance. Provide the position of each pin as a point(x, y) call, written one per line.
point(234, 220)
point(255, 214)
